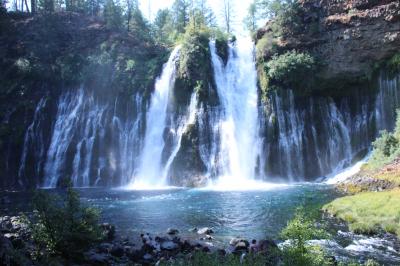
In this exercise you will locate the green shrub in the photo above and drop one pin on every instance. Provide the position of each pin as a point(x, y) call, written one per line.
point(214, 259)
point(63, 227)
point(386, 147)
point(394, 64)
point(291, 69)
point(289, 19)
point(298, 231)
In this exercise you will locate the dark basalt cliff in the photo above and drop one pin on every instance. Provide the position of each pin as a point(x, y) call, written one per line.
point(47, 55)
point(74, 95)
point(349, 38)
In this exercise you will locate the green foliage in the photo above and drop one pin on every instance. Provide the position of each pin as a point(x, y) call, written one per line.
point(298, 231)
point(46, 5)
point(139, 26)
point(394, 64)
point(291, 69)
point(62, 226)
point(386, 147)
point(112, 15)
point(287, 16)
point(213, 259)
point(251, 19)
point(221, 46)
point(164, 30)
point(369, 212)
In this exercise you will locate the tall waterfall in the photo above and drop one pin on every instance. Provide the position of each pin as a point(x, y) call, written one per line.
point(149, 171)
point(113, 140)
point(153, 170)
point(238, 121)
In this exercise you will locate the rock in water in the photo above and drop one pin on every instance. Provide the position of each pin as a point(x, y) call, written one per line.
point(172, 231)
point(108, 231)
point(205, 231)
point(117, 251)
point(168, 245)
point(267, 245)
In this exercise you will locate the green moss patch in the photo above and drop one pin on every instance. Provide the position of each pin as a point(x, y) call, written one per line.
point(369, 212)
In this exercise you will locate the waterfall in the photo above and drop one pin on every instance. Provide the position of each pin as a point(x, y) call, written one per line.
point(78, 121)
point(306, 138)
point(93, 140)
point(127, 140)
point(238, 122)
point(34, 140)
point(149, 172)
point(189, 120)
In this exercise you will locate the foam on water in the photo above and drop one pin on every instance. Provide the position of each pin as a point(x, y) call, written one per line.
point(228, 183)
point(346, 173)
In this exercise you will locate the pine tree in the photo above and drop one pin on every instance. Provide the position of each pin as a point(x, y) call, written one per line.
point(180, 14)
point(112, 15)
point(250, 20)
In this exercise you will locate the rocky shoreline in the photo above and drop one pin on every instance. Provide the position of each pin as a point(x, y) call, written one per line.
point(17, 246)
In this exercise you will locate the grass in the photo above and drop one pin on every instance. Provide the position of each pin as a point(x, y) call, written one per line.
point(214, 259)
point(392, 177)
point(369, 212)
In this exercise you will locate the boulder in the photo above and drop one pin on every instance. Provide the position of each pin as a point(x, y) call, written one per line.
point(6, 249)
point(105, 247)
point(205, 231)
point(117, 251)
point(147, 257)
point(108, 231)
point(172, 231)
point(267, 245)
point(239, 245)
point(94, 258)
point(169, 245)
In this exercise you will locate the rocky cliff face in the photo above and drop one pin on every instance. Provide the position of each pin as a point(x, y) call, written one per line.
point(348, 37)
point(102, 74)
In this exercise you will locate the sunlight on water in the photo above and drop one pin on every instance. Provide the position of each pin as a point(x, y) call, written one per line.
point(229, 183)
point(139, 185)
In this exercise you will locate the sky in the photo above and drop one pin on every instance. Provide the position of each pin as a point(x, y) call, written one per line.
point(239, 6)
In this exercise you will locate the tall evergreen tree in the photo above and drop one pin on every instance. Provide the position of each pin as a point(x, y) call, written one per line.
point(112, 14)
point(180, 13)
point(250, 20)
point(164, 31)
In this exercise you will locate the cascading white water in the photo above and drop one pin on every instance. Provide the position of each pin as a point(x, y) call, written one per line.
point(151, 173)
point(33, 136)
point(238, 123)
point(94, 141)
point(190, 119)
point(77, 114)
point(128, 141)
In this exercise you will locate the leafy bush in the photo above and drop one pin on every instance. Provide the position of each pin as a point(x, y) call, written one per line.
point(298, 231)
point(386, 147)
point(62, 226)
point(394, 64)
point(291, 69)
point(214, 259)
point(288, 19)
